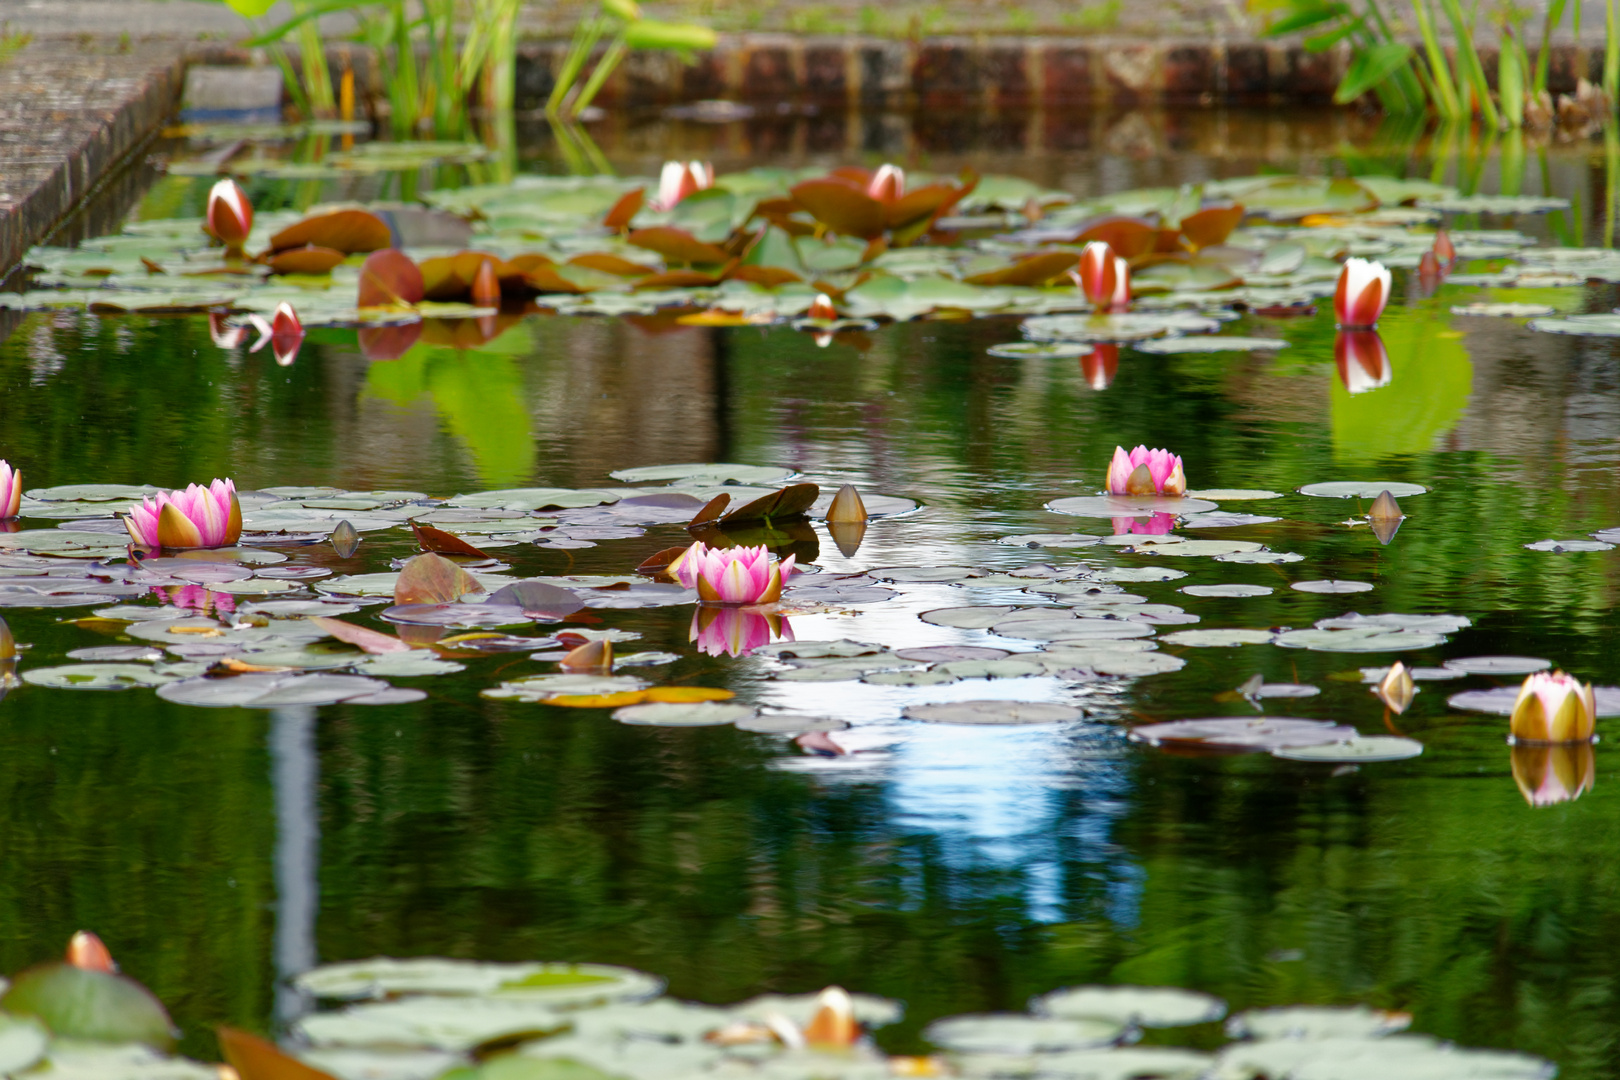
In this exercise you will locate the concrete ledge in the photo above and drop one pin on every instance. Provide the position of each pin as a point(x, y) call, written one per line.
point(69, 115)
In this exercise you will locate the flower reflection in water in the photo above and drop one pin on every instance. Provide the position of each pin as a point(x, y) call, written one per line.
point(736, 631)
point(1553, 773)
point(1362, 360)
point(196, 598)
point(1099, 366)
point(1157, 524)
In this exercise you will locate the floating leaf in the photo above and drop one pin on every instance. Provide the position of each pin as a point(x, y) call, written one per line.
point(389, 278)
point(1036, 269)
point(1011, 1033)
point(1500, 700)
point(348, 231)
point(255, 1059)
point(693, 714)
point(1231, 590)
point(99, 1006)
point(308, 259)
point(93, 676)
point(1355, 489)
point(1038, 350)
point(437, 540)
point(1260, 733)
point(1217, 638)
point(1498, 665)
point(995, 712)
point(678, 245)
point(1142, 1006)
point(1561, 546)
point(1209, 344)
point(1362, 748)
point(1329, 586)
point(842, 206)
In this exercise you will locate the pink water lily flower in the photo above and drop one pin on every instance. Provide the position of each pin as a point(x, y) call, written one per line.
point(887, 184)
point(1554, 708)
point(735, 631)
point(10, 491)
point(198, 517)
point(737, 575)
point(1104, 278)
point(229, 216)
point(680, 179)
point(1362, 293)
point(1146, 472)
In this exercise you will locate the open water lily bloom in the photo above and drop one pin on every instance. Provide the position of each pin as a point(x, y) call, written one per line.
point(680, 179)
point(1146, 472)
point(198, 517)
point(1554, 708)
point(737, 575)
point(10, 492)
point(1362, 293)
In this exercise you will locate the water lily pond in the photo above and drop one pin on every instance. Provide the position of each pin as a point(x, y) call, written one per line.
point(1003, 733)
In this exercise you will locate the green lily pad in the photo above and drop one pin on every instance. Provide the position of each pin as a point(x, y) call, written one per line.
point(1358, 489)
point(1233, 589)
point(98, 1006)
point(1211, 344)
point(94, 677)
point(1143, 1006)
point(1011, 1033)
point(1365, 748)
point(684, 713)
point(995, 712)
point(1218, 638)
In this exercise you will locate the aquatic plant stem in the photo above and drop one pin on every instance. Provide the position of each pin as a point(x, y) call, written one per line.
point(1468, 57)
point(1555, 15)
point(1444, 90)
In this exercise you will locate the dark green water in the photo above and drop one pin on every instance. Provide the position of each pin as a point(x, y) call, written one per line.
point(972, 867)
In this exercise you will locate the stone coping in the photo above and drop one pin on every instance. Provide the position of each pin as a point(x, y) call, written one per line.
point(70, 114)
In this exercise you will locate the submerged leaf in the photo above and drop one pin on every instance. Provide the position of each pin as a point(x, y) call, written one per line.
point(372, 641)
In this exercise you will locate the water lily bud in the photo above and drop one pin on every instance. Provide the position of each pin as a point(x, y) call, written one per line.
point(86, 951)
point(846, 506)
point(1554, 708)
point(1362, 360)
point(591, 656)
point(1146, 472)
point(680, 179)
point(486, 287)
point(8, 644)
point(224, 334)
point(11, 489)
point(1121, 299)
point(887, 184)
point(1098, 273)
point(1444, 251)
point(229, 217)
point(1550, 774)
point(834, 1023)
point(1362, 293)
point(822, 308)
point(345, 539)
point(1396, 689)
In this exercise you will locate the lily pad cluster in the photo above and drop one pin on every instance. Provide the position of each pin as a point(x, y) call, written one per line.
point(430, 1017)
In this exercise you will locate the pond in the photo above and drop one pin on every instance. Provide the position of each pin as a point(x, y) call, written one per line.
point(956, 866)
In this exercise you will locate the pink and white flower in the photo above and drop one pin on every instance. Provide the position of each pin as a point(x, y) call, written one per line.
point(198, 517)
point(1362, 293)
point(736, 575)
point(229, 217)
point(680, 179)
point(1146, 472)
point(1362, 360)
point(1104, 278)
point(1554, 708)
point(10, 491)
point(887, 184)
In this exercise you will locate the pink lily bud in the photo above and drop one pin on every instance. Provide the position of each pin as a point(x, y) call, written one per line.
point(1554, 708)
point(1362, 293)
point(822, 308)
point(680, 179)
point(198, 517)
point(86, 951)
point(286, 334)
point(1548, 774)
point(1098, 274)
point(1362, 360)
point(229, 216)
point(1100, 365)
point(1145, 472)
point(739, 575)
point(887, 184)
point(1444, 250)
point(11, 490)
point(1121, 300)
